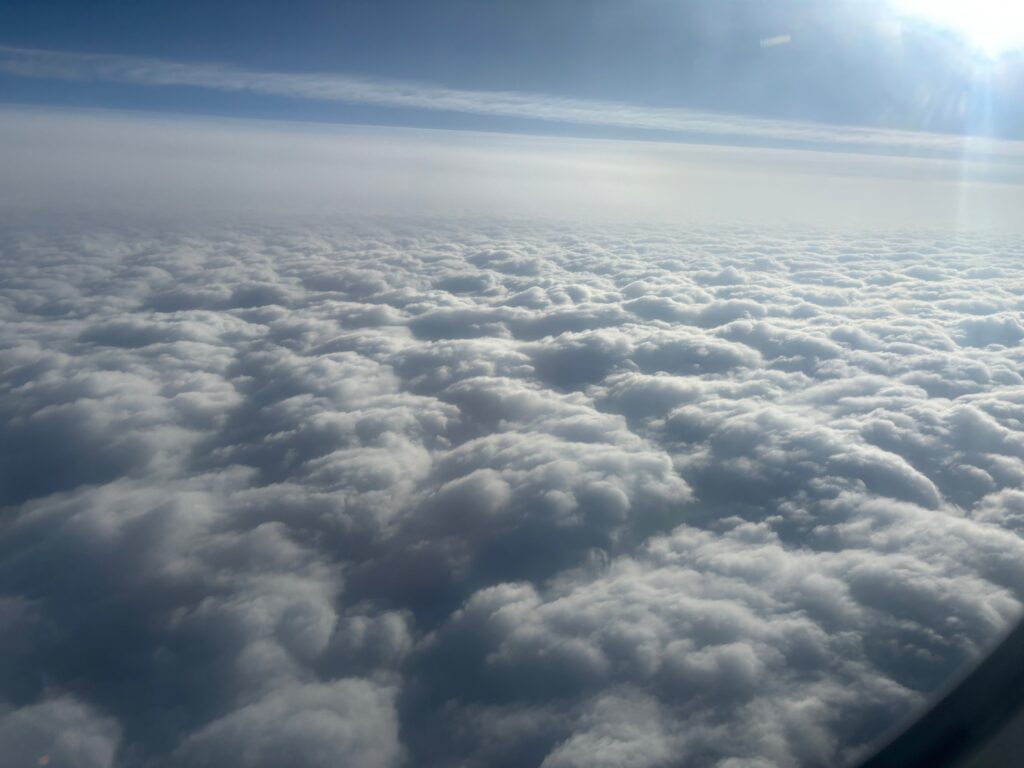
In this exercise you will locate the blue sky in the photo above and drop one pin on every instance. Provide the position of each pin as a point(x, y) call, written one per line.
point(856, 63)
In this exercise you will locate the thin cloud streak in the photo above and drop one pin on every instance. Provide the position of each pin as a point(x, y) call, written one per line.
point(771, 42)
point(44, 64)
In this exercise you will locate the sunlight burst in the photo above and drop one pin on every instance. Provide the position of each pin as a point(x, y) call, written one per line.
point(992, 26)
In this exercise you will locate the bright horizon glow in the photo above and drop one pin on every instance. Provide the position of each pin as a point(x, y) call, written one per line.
point(991, 26)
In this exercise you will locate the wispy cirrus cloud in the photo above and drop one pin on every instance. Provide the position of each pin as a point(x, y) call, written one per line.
point(347, 89)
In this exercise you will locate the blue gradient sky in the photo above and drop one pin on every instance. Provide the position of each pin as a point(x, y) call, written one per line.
point(853, 63)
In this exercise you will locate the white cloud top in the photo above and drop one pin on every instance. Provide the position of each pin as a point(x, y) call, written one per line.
point(433, 492)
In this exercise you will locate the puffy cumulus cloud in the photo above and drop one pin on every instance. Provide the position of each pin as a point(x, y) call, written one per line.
point(347, 722)
point(431, 493)
point(58, 731)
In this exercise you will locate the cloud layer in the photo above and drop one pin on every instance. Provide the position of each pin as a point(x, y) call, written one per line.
point(432, 493)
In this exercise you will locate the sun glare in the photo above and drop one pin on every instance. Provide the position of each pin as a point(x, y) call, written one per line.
point(991, 26)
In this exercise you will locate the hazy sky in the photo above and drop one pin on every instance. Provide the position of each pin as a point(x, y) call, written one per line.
point(859, 62)
point(139, 164)
point(866, 77)
point(940, 94)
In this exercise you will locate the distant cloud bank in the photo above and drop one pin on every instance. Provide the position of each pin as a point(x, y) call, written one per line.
point(175, 168)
